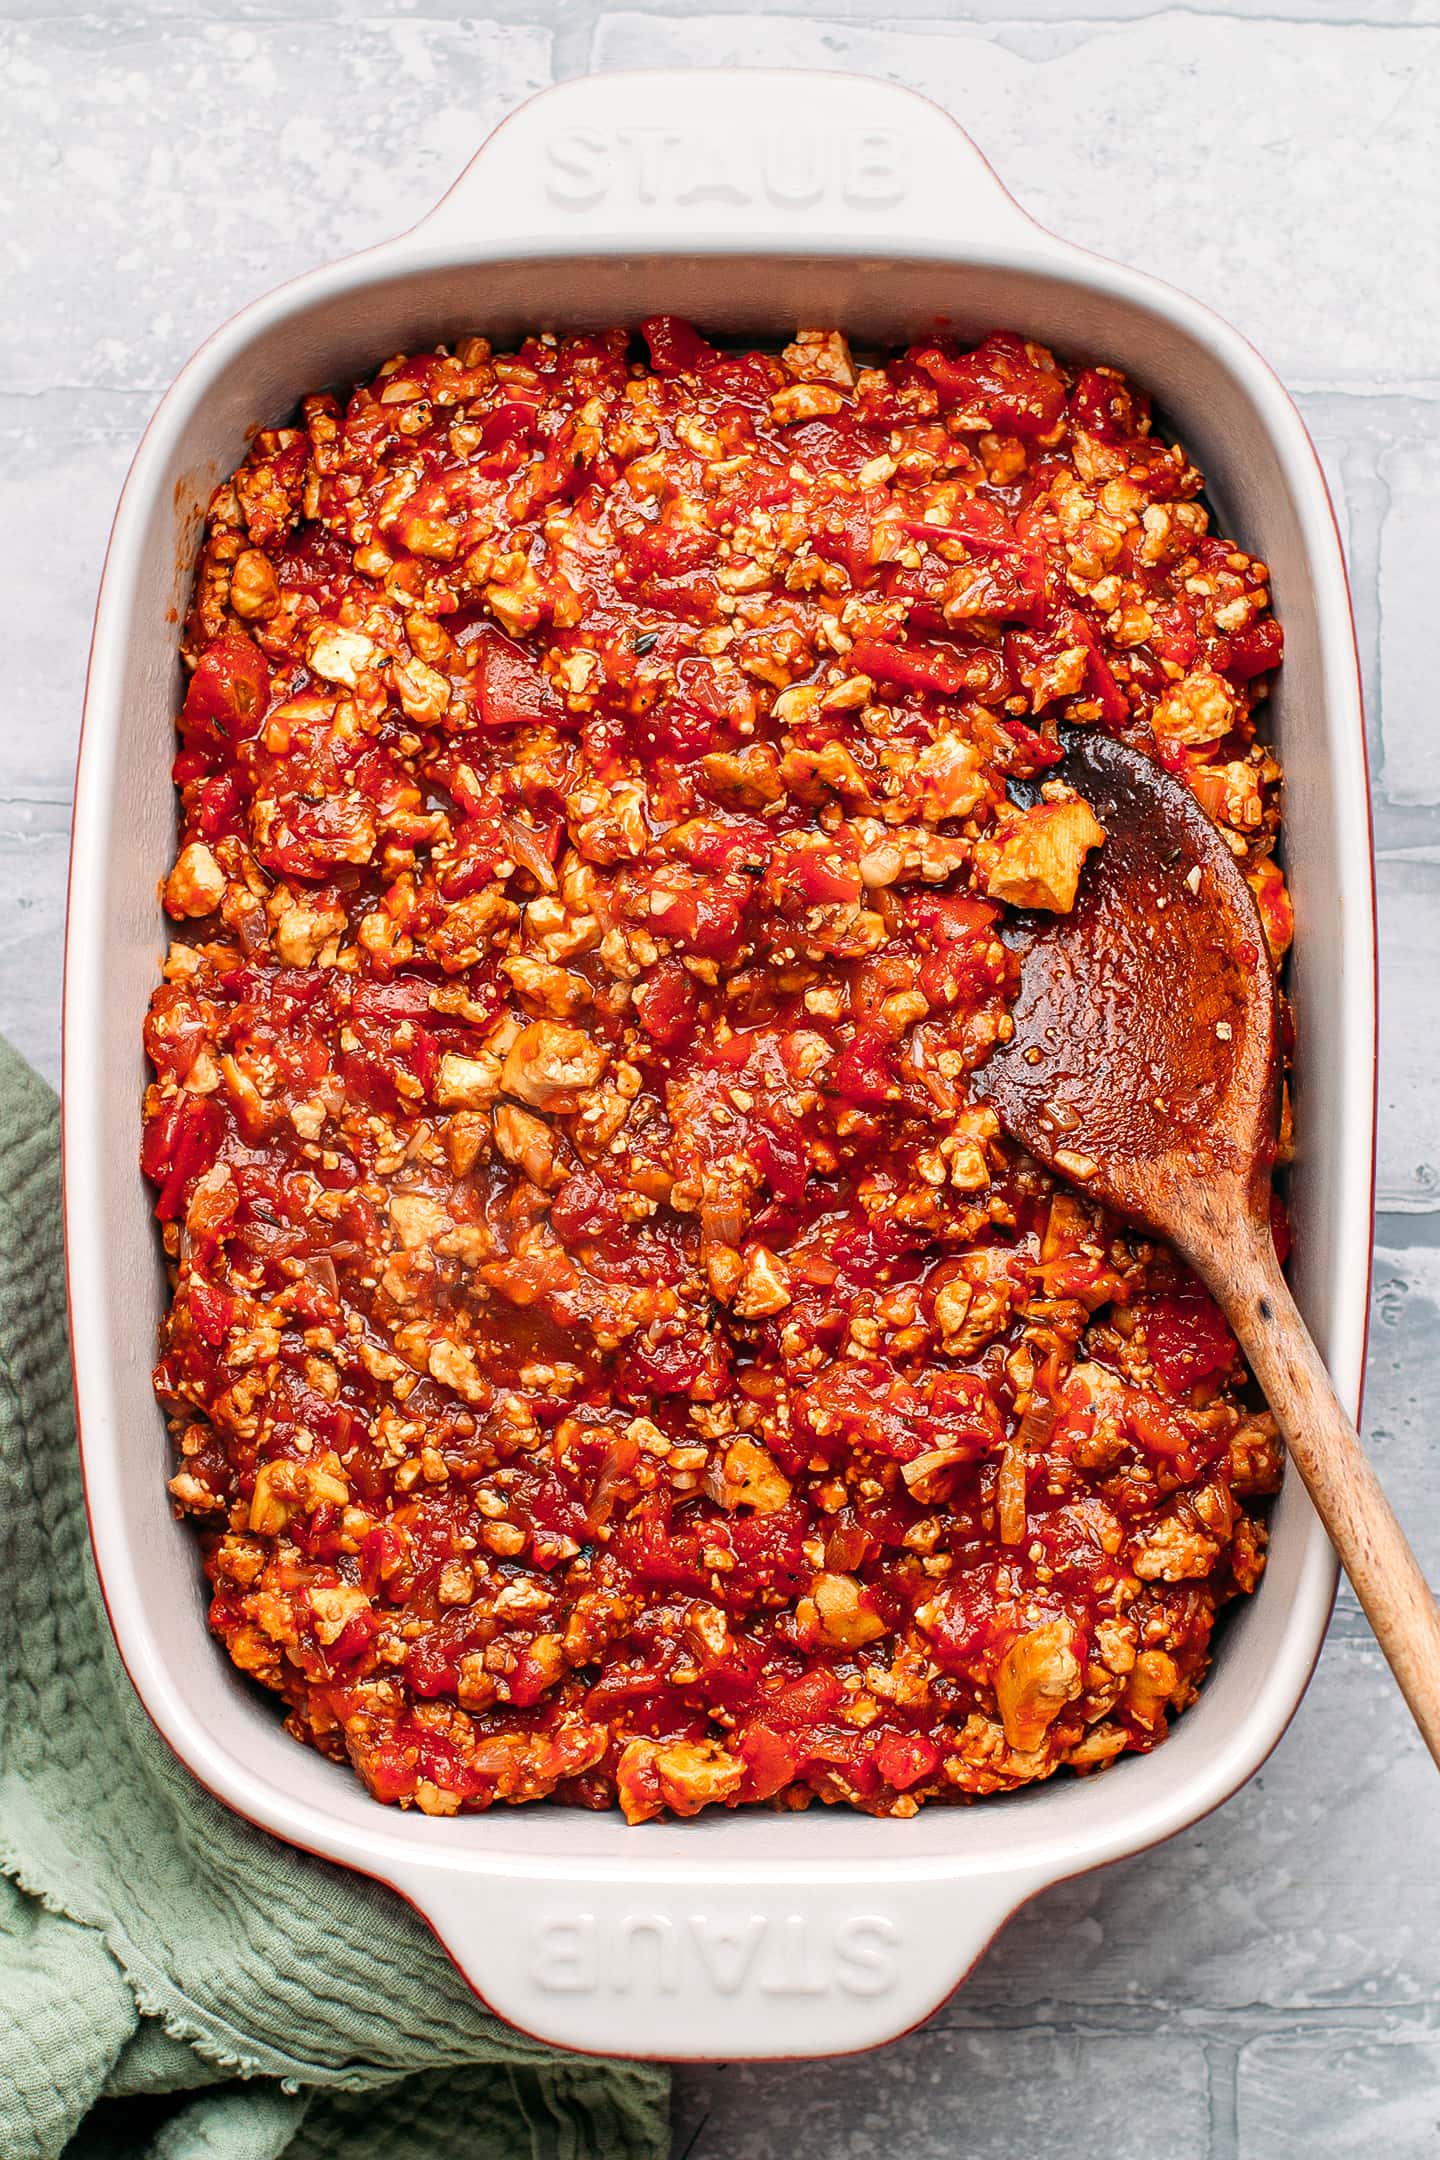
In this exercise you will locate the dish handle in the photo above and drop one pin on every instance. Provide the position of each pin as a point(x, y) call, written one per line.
point(714, 1963)
point(694, 159)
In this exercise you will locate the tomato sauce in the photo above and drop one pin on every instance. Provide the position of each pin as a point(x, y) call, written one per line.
point(610, 1355)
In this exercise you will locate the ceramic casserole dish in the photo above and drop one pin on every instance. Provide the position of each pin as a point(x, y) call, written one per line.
point(751, 203)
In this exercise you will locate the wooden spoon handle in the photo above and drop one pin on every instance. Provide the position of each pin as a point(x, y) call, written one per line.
point(1326, 1449)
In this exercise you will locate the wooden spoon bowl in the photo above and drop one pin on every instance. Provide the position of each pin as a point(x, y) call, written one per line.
point(1145, 1068)
point(1146, 1036)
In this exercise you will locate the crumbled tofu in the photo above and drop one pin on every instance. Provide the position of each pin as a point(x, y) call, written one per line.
point(1154, 1682)
point(339, 655)
point(455, 1367)
point(467, 1138)
point(273, 1498)
point(196, 885)
point(547, 1062)
point(804, 401)
point(1198, 709)
point(418, 1221)
point(746, 1476)
point(684, 1775)
point(764, 1285)
point(526, 1141)
point(430, 536)
point(304, 928)
point(820, 356)
point(1038, 863)
point(254, 587)
point(952, 1308)
point(334, 1607)
point(1242, 803)
point(1037, 1676)
point(1173, 1551)
point(465, 1083)
point(841, 1614)
point(424, 693)
point(950, 777)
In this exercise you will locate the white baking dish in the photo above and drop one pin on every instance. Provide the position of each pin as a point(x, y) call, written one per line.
point(752, 202)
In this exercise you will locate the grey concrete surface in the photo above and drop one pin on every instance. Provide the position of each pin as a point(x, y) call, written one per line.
point(1267, 1985)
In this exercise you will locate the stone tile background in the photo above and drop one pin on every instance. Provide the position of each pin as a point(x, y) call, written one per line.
point(1269, 1984)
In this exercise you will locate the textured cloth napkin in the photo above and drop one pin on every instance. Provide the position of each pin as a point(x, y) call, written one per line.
point(173, 1983)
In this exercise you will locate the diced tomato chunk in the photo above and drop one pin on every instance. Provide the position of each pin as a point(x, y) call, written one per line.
point(228, 694)
point(667, 1005)
point(1252, 651)
point(865, 1072)
point(911, 667)
point(510, 687)
point(772, 1760)
point(1187, 1339)
point(1105, 404)
point(903, 1759)
point(179, 1147)
point(676, 346)
point(999, 379)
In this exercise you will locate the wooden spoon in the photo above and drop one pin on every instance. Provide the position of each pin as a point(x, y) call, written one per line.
point(1145, 1068)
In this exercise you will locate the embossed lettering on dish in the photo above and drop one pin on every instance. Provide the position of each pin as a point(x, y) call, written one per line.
point(771, 1954)
point(850, 168)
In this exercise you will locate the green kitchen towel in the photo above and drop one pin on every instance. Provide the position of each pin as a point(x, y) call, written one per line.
point(173, 1983)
